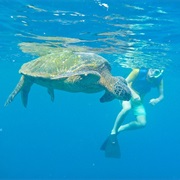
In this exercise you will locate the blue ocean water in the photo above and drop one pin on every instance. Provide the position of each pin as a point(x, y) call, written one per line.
point(61, 140)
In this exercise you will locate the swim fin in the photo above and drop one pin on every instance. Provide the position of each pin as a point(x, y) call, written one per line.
point(111, 147)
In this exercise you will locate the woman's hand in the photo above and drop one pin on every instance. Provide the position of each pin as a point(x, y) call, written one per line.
point(154, 101)
point(136, 98)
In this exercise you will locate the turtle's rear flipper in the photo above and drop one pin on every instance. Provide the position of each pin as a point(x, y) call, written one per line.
point(25, 90)
point(15, 91)
point(51, 93)
point(22, 86)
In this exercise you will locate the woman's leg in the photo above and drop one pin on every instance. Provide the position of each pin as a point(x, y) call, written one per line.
point(140, 113)
point(126, 106)
point(139, 123)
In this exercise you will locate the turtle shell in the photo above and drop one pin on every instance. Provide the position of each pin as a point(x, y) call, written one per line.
point(64, 64)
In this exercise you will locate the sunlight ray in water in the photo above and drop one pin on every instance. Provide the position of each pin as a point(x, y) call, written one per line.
point(129, 55)
point(130, 34)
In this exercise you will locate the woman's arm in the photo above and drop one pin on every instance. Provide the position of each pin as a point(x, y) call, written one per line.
point(161, 94)
point(131, 77)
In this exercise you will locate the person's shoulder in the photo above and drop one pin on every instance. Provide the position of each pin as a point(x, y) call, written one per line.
point(136, 71)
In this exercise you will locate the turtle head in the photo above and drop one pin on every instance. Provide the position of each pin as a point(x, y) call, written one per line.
point(121, 90)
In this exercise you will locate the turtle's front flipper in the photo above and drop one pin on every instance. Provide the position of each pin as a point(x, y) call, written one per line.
point(107, 97)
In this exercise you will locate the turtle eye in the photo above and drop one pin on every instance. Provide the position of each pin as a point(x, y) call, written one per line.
point(122, 80)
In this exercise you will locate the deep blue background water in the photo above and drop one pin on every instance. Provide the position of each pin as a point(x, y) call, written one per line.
point(61, 140)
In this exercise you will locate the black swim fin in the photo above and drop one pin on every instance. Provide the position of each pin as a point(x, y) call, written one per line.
point(111, 147)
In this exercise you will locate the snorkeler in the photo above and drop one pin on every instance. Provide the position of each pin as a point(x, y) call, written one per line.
point(140, 82)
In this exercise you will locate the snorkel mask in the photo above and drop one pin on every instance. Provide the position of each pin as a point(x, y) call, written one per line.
point(155, 73)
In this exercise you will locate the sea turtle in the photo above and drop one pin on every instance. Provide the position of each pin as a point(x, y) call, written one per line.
point(72, 72)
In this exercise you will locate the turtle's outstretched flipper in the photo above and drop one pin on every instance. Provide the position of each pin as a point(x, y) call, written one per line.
point(22, 86)
point(111, 147)
point(107, 97)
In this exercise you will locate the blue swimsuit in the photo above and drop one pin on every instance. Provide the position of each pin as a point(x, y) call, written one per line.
point(142, 85)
